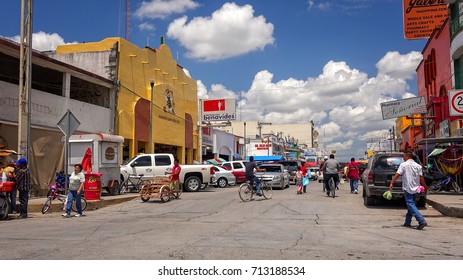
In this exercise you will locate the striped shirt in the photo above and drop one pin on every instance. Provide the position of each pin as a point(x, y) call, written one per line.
point(23, 179)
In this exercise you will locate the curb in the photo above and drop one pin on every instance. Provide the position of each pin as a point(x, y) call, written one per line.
point(446, 210)
point(57, 206)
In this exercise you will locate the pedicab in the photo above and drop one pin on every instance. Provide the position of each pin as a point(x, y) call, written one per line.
point(159, 187)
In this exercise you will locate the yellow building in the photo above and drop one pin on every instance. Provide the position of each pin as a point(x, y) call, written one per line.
point(142, 76)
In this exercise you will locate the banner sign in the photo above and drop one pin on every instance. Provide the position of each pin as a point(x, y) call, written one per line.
point(403, 107)
point(218, 110)
point(422, 17)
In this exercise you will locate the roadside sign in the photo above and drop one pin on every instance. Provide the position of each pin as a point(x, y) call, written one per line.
point(456, 102)
point(68, 123)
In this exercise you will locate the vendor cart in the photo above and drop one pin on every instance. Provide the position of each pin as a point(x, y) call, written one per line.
point(101, 154)
point(5, 206)
point(159, 187)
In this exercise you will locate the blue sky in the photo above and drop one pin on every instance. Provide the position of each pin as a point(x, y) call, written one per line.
point(291, 61)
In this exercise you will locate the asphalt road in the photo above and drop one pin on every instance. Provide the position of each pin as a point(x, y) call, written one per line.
point(216, 224)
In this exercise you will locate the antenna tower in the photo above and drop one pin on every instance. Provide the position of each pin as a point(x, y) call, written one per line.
point(127, 20)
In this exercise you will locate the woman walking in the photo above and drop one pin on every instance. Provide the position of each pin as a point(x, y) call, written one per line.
point(76, 185)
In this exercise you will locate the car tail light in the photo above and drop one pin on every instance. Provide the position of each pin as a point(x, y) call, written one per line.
point(370, 176)
point(212, 171)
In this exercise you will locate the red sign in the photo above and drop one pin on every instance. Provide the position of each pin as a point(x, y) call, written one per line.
point(214, 105)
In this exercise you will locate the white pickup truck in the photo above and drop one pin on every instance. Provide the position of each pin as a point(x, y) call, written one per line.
point(192, 177)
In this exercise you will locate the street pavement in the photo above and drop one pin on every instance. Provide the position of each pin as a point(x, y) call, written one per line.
point(447, 203)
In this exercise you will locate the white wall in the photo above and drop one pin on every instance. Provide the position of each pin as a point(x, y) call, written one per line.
point(224, 142)
point(47, 109)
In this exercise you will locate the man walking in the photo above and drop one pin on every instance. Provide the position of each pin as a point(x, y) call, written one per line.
point(412, 178)
point(353, 175)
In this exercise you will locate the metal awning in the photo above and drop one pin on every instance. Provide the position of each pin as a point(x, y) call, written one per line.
point(428, 141)
point(436, 152)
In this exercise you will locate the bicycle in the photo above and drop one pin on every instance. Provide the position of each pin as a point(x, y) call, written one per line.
point(133, 183)
point(58, 193)
point(332, 187)
point(446, 184)
point(247, 190)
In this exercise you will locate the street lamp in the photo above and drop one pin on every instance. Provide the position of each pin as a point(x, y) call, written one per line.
point(151, 116)
point(259, 126)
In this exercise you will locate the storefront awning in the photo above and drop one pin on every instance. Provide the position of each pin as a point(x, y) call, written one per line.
point(436, 152)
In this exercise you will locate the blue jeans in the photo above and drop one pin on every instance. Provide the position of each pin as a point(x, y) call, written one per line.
point(24, 201)
point(327, 177)
point(73, 195)
point(412, 209)
point(257, 182)
point(13, 199)
point(354, 184)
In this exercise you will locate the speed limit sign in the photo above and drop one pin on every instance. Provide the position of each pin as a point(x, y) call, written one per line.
point(456, 102)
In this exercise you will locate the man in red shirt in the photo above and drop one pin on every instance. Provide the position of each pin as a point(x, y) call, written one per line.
point(175, 176)
point(353, 175)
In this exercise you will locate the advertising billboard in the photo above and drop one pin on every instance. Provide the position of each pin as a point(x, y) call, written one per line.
point(422, 17)
point(218, 110)
point(403, 107)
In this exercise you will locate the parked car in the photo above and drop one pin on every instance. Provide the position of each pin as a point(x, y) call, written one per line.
point(238, 167)
point(291, 166)
point(275, 174)
point(380, 170)
point(223, 177)
point(314, 173)
point(192, 177)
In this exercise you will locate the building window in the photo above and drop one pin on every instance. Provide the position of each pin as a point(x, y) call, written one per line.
point(456, 16)
point(458, 66)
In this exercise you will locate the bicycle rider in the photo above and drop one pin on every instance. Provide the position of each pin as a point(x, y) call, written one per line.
point(331, 167)
point(250, 167)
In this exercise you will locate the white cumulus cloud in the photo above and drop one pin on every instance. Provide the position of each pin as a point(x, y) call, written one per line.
point(343, 102)
point(42, 41)
point(160, 9)
point(230, 31)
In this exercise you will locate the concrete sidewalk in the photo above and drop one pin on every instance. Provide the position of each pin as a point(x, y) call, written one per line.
point(449, 203)
point(36, 204)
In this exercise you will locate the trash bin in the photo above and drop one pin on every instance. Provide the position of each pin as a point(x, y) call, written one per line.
point(92, 186)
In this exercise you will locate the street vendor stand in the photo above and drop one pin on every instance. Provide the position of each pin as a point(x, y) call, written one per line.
point(5, 206)
point(99, 155)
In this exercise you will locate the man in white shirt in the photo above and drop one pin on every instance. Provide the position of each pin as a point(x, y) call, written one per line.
point(412, 178)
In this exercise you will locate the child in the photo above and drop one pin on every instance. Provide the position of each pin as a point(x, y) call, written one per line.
point(305, 180)
point(298, 180)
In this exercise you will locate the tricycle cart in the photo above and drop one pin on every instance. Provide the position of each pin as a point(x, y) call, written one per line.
point(158, 187)
point(5, 205)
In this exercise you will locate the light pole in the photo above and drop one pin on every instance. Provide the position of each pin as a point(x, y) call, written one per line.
point(259, 126)
point(151, 116)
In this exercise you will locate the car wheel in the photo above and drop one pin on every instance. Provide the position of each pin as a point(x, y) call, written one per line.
point(192, 184)
point(368, 200)
point(222, 182)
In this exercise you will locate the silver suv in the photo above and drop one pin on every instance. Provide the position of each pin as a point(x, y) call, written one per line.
point(380, 170)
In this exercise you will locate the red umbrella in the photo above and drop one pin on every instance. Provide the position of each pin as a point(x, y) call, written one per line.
point(87, 161)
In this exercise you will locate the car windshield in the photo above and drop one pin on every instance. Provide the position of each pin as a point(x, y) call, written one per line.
point(271, 168)
point(388, 163)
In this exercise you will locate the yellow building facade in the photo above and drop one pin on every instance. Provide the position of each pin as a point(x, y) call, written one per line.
point(151, 85)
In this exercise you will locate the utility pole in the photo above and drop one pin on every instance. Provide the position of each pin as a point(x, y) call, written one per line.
point(25, 79)
point(151, 149)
